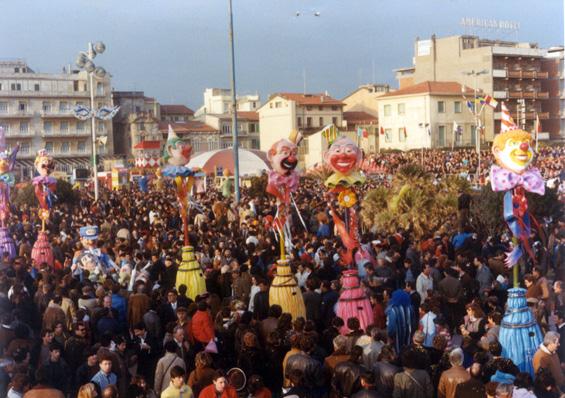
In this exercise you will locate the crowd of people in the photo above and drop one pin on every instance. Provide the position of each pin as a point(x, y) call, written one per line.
point(437, 303)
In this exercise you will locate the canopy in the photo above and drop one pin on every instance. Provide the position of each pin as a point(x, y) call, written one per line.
point(251, 162)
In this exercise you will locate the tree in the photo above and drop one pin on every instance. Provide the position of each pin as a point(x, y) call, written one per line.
point(487, 209)
point(258, 185)
point(414, 201)
point(26, 194)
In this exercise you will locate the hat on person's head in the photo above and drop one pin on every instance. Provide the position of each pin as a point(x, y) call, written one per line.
point(90, 232)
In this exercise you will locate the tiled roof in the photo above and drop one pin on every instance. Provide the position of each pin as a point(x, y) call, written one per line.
point(148, 145)
point(309, 99)
point(176, 110)
point(192, 126)
point(248, 115)
point(359, 117)
point(434, 88)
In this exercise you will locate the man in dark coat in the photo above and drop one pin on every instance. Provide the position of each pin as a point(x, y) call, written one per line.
point(312, 300)
point(474, 387)
point(261, 301)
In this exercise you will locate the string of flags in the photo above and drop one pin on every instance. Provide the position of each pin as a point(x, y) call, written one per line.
point(330, 133)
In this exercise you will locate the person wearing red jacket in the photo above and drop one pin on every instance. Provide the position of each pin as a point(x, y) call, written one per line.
point(219, 388)
point(202, 325)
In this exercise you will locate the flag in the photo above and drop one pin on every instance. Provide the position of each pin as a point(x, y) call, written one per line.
point(365, 133)
point(330, 133)
point(457, 129)
point(405, 133)
point(488, 100)
point(382, 131)
point(359, 132)
point(470, 105)
point(506, 121)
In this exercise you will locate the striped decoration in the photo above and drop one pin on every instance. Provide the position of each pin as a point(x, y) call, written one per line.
point(506, 121)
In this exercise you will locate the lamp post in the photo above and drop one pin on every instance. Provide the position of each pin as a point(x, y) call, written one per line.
point(234, 108)
point(476, 115)
point(85, 62)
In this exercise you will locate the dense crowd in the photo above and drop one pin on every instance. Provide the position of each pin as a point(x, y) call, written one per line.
point(131, 333)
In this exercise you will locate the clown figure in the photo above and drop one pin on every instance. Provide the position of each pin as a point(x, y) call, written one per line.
point(91, 258)
point(344, 157)
point(7, 180)
point(44, 183)
point(283, 179)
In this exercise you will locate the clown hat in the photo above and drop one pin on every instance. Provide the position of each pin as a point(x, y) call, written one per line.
point(89, 232)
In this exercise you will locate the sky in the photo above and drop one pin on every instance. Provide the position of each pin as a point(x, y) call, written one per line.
point(174, 49)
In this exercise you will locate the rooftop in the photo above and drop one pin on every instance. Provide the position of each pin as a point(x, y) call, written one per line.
point(148, 145)
point(432, 88)
point(359, 118)
point(192, 126)
point(176, 110)
point(309, 99)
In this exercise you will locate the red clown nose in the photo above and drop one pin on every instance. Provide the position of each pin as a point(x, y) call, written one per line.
point(524, 146)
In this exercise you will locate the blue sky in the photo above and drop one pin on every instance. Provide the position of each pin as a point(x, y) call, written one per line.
point(174, 49)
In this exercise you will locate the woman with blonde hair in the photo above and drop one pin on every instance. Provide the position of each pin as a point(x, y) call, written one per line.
point(87, 390)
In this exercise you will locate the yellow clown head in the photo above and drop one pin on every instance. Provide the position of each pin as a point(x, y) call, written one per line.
point(513, 151)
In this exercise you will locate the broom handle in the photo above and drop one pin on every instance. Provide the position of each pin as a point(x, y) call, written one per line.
point(283, 254)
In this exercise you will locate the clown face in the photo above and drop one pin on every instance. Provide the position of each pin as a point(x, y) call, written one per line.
point(516, 155)
point(44, 165)
point(283, 157)
point(343, 156)
point(179, 153)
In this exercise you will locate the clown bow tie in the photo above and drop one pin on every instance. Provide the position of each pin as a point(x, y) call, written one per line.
point(505, 180)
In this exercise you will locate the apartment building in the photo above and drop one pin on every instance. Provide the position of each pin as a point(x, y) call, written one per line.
point(132, 103)
point(363, 99)
point(309, 113)
point(176, 113)
point(36, 110)
point(218, 101)
point(201, 136)
point(423, 116)
point(513, 72)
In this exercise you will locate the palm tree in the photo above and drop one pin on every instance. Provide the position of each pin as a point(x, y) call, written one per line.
point(413, 202)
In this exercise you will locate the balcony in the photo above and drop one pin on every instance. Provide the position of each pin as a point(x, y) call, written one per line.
point(45, 94)
point(500, 94)
point(66, 133)
point(529, 115)
point(19, 134)
point(54, 114)
point(16, 115)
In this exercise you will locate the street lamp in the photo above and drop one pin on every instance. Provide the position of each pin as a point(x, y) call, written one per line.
point(234, 108)
point(476, 115)
point(85, 61)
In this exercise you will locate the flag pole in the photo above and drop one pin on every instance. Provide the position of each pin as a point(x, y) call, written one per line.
point(537, 131)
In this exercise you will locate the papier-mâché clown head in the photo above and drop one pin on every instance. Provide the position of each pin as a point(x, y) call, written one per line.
point(343, 156)
point(176, 152)
point(283, 156)
point(513, 151)
point(44, 163)
point(88, 236)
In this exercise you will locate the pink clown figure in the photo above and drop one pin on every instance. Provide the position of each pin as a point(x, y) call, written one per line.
point(44, 183)
point(344, 158)
point(353, 301)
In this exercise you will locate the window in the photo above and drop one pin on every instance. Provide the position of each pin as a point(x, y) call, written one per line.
point(457, 106)
point(99, 88)
point(440, 107)
point(254, 105)
point(64, 127)
point(65, 168)
point(334, 120)
point(334, 108)
point(308, 122)
point(252, 128)
point(441, 136)
point(16, 87)
point(459, 136)
point(49, 147)
point(48, 127)
point(400, 108)
point(401, 135)
point(22, 106)
point(320, 108)
point(36, 87)
point(65, 147)
point(254, 143)
point(75, 85)
point(278, 104)
point(100, 127)
point(387, 110)
point(24, 127)
point(81, 146)
point(226, 129)
point(24, 148)
point(5, 127)
point(81, 126)
point(321, 121)
point(388, 135)
point(308, 108)
point(140, 126)
point(46, 106)
point(3, 107)
point(63, 106)
point(299, 121)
